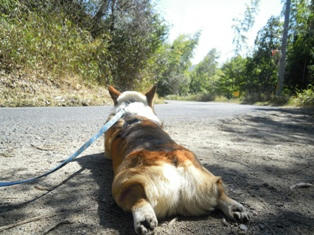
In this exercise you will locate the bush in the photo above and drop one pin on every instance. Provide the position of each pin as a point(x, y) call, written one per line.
point(81, 39)
point(193, 97)
point(306, 97)
point(51, 43)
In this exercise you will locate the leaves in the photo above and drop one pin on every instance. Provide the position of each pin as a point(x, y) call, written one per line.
point(173, 65)
point(202, 74)
point(242, 25)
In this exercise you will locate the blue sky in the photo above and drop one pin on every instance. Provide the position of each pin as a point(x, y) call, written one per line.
point(214, 19)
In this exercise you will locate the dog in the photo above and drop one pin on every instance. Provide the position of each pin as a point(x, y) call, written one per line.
point(155, 177)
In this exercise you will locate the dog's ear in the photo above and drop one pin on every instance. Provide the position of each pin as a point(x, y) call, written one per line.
point(114, 93)
point(150, 95)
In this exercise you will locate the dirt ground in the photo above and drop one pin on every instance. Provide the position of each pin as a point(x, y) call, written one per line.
point(259, 156)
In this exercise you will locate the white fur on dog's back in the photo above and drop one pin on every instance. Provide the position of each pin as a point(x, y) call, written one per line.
point(136, 103)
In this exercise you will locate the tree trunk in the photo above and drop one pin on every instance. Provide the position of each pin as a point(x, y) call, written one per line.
point(282, 62)
point(102, 11)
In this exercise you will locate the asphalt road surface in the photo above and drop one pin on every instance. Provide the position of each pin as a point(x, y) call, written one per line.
point(172, 110)
point(20, 127)
point(24, 126)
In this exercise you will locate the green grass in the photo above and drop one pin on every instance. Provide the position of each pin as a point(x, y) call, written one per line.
point(192, 97)
point(47, 60)
point(301, 99)
point(203, 98)
point(51, 43)
point(19, 89)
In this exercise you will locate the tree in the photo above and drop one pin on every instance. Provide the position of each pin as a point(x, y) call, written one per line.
point(175, 62)
point(203, 71)
point(242, 26)
point(233, 77)
point(300, 55)
point(110, 41)
point(282, 62)
point(254, 76)
point(136, 33)
point(261, 68)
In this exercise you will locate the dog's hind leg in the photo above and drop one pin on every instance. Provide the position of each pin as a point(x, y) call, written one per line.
point(230, 207)
point(144, 217)
point(131, 197)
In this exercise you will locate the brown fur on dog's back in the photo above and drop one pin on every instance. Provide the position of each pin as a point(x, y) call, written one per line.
point(140, 153)
point(144, 144)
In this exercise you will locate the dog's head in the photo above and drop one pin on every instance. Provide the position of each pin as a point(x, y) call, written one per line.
point(135, 103)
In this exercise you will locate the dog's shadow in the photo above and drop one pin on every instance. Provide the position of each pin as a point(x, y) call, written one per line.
point(110, 215)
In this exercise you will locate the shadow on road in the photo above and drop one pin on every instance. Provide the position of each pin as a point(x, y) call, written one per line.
point(110, 215)
point(275, 161)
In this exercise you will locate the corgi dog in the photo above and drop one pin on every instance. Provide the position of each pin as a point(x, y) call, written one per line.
point(155, 177)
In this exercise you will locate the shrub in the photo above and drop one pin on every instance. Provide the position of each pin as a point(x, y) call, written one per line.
point(306, 97)
point(52, 43)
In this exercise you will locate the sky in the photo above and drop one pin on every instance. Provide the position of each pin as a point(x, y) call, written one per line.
point(214, 19)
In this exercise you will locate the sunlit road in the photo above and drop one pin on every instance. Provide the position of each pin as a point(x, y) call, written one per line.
point(25, 126)
point(172, 110)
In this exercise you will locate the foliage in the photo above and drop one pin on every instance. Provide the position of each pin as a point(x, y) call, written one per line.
point(306, 96)
point(300, 63)
point(204, 97)
point(136, 33)
point(233, 77)
point(254, 76)
point(243, 25)
point(201, 76)
point(51, 43)
point(261, 68)
point(71, 38)
point(173, 64)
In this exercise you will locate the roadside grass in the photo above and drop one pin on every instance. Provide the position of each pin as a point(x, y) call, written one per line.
point(301, 99)
point(29, 88)
point(49, 60)
point(49, 42)
point(21, 89)
point(191, 97)
point(203, 98)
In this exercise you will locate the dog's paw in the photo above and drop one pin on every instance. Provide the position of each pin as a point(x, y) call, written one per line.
point(234, 210)
point(144, 219)
point(238, 212)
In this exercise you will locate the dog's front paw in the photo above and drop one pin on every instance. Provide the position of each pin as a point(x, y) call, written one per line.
point(144, 219)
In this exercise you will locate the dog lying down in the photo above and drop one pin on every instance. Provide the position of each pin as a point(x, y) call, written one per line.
point(154, 177)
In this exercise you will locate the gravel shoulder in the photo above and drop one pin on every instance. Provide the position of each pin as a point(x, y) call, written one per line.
point(259, 155)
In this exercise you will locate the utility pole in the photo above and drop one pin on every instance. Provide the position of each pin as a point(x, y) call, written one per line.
point(282, 62)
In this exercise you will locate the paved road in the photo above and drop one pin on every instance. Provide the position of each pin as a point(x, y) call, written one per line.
point(26, 126)
point(171, 110)
point(188, 110)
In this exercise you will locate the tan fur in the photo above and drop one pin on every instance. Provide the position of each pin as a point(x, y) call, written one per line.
point(154, 176)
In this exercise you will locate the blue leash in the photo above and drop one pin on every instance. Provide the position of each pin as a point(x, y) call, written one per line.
point(109, 124)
